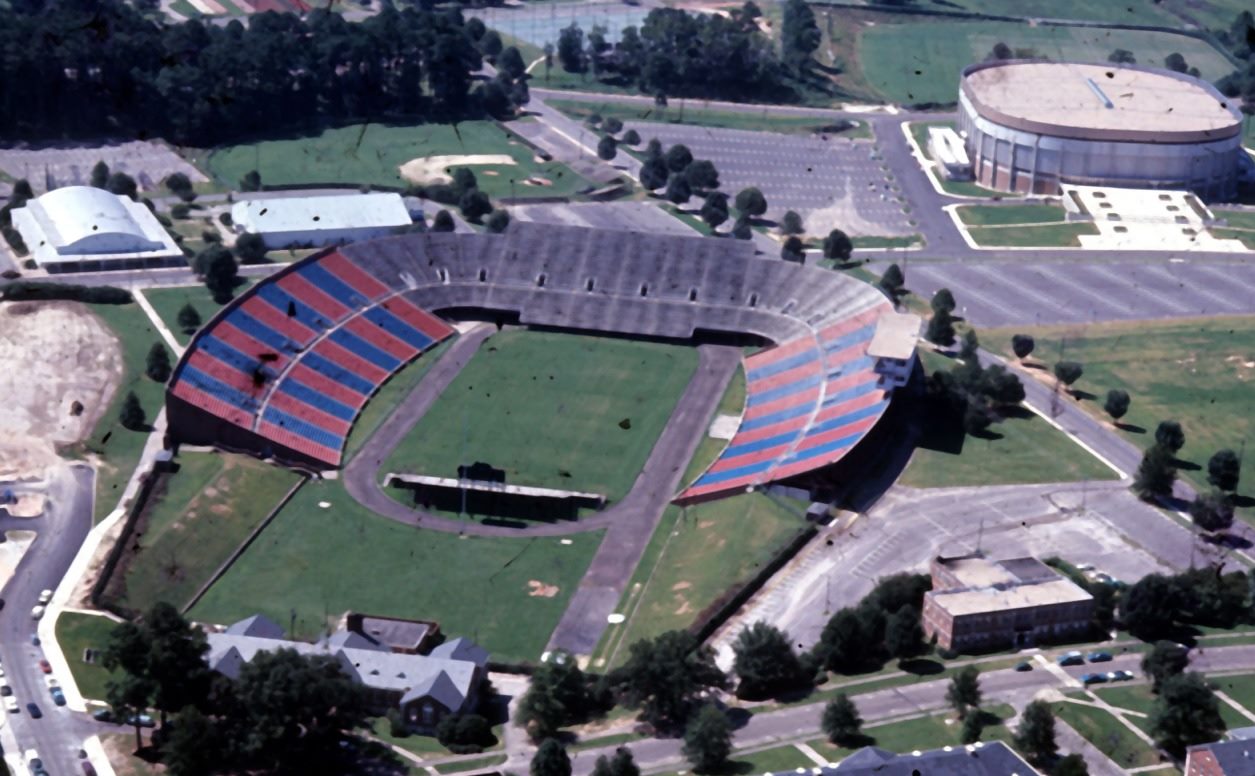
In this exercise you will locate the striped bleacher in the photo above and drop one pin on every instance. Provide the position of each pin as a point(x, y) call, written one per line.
point(297, 357)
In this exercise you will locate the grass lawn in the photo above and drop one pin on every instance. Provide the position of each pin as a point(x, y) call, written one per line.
point(194, 523)
point(1108, 734)
point(313, 563)
point(928, 732)
point(919, 60)
point(77, 632)
point(168, 301)
point(373, 153)
point(887, 242)
point(1137, 697)
point(553, 410)
point(386, 399)
point(1246, 236)
point(1194, 372)
point(708, 549)
point(1044, 236)
point(1238, 219)
point(1240, 688)
point(774, 760)
point(1002, 215)
point(117, 448)
point(732, 403)
point(476, 764)
point(427, 747)
point(692, 113)
point(1020, 449)
point(1134, 12)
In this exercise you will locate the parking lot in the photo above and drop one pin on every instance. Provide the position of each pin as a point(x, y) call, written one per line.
point(541, 24)
point(53, 167)
point(831, 181)
point(1081, 292)
point(623, 216)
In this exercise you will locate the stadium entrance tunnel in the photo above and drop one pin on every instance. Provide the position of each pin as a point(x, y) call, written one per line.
point(494, 499)
point(284, 370)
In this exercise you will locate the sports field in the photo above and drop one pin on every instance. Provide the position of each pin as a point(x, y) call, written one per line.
point(1197, 372)
point(920, 62)
point(192, 524)
point(374, 153)
point(553, 410)
point(314, 563)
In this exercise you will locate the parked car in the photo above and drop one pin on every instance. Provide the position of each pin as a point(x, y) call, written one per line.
point(1120, 676)
point(88, 769)
point(1071, 659)
point(58, 697)
point(1098, 657)
point(143, 720)
point(35, 639)
point(1024, 665)
point(103, 715)
point(1093, 678)
point(34, 711)
point(10, 703)
point(51, 681)
point(44, 597)
point(45, 666)
point(5, 689)
point(31, 758)
point(37, 612)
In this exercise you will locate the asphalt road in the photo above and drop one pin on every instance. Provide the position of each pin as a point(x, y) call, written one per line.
point(59, 734)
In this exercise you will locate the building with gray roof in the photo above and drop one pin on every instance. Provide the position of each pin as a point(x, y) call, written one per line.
point(287, 222)
point(979, 759)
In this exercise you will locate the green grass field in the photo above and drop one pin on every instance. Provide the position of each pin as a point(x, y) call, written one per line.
point(1004, 215)
point(373, 153)
point(1142, 12)
point(1108, 734)
point(1033, 236)
point(694, 557)
point(732, 403)
point(118, 449)
point(168, 301)
point(693, 113)
point(548, 409)
point(1025, 450)
point(920, 60)
point(315, 563)
point(387, 398)
point(1135, 697)
point(1194, 372)
point(1240, 688)
point(77, 632)
point(203, 513)
point(928, 732)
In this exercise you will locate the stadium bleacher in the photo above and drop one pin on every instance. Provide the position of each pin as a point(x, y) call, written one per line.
point(297, 357)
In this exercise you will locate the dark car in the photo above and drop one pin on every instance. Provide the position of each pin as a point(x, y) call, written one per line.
point(88, 769)
point(58, 697)
point(103, 715)
point(1071, 659)
point(1023, 665)
point(34, 711)
point(1098, 657)
point(45, 666)
point(35, 639)
point(1093, 678)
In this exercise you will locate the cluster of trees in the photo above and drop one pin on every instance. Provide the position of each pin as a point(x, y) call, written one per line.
point(17, 199)
point(608, 146)
point(42, 291)
point(102, 68)
point(286, 713)
point(1185, 711)
point(1159, 606)
point(561, 694)
point(1240, 40)
point(473, 203)
point(674, 53)
point(971, 395)
point(885, 624)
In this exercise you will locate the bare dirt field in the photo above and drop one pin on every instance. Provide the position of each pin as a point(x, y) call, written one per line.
point(435, 169)
point(58, 368)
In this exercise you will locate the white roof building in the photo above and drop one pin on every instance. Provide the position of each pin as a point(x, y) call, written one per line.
point(77, 227)
point(286, 222)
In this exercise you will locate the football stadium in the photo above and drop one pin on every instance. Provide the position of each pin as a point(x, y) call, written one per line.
point(284, 370)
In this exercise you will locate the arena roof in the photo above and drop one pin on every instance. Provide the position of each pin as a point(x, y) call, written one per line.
point(76, 222)
point(308, 214)
point(1100, 101)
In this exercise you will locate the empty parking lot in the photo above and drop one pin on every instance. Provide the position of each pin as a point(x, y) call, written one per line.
point(622, 216)
point(53, 167)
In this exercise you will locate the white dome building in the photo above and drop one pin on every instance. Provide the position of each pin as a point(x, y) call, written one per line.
point(83, 227)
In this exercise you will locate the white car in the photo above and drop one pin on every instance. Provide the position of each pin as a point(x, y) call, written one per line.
point(37, 612)
point(10, 703)
point(45, 597)
point(31, 758)
point(1, 673)
point(51, 681)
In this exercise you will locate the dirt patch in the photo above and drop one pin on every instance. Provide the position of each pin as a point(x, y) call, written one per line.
point(538, 589)
point(57, 358)
point(536, 180)
point(681, 585)
point(703, 524)
point(685, 608)
point(435, 169)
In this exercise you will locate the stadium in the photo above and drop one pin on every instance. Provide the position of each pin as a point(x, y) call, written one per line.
point(1031, 127)
point(284, 370)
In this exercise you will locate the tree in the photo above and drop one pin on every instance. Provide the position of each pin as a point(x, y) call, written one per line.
point(893, 282)
point(1170, 436)
point(678, 157)
point(1224, 470)
point(622, 764)
point(1185, 713)
point(123, 185)
point(1022, 345)
point(764, 662)
point(1116, 404)
point(1122, 57)
point(498, 221)
point(195, 746)
point(841, 721)
point(1000, 51)
point(708, 740)
point(838, 246)
point(702, 175)
point(1165, 660)
point(751, 202)
point(251, 181)
point(221, 272)
point(127, 697)
point(571, 49)
point(443, 222)
point(973, 726)
point(176, 659)
point(793, 250)
point(653, 173)
point(178, 183)
point(664, 675)
point(791, 223)
point(490, 45)
point(157, 363)
point(631, 137)
point(940, 329)
point(904, 636)
point(1068, 372)
point(741, 228)
point(976, 419)
point(1212, 512)
point(129, 691)
point(678, 191)
point(715, 209)
point(963, 693)
point(464, 730)
point(607, 148)
point(250, 248)
point(1000, 386)
point(558, 696)
point(511, 62)
point(799, 35)
point(188, 318)
point(943, 300)
point(1176, 63)
point(1036, 734)
point(474, 205)
point(1149, 608)
point(1070, 765)
point(841, 644)
point(1155, 474)
point(653, 149)
point(463, 181)
point(100, 175)
point(131, 416)
point(550, 759)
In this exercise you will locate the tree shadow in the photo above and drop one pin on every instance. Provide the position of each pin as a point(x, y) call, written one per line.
point(987, 434)
point(1188, 466)
point(1017, 411)
point(921, 666)
point(738, 717)
point(1243, 501)
point(1080, 395)
point(1130, 427)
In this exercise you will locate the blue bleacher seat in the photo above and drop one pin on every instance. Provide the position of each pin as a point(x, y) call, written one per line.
point(332, 286)
point(218, 389)
point(260, 331)
point(328, 368)
point(298, 390)
point(396, 327)
point(306, 429)
point(280, 299)
point(360, 347)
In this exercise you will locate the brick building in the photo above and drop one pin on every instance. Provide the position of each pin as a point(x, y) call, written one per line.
point(1222, 758)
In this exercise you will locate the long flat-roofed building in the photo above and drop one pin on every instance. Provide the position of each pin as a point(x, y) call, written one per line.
point(291, 222)
point(1032, 126)
point(85, 228)
point(978, 604)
